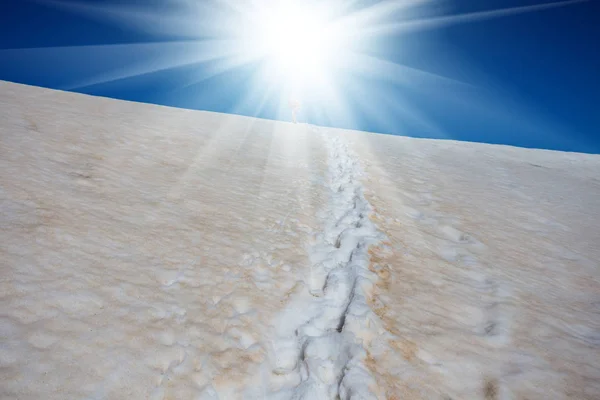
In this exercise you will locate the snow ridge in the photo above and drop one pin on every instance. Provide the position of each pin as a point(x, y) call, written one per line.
point(319, 350)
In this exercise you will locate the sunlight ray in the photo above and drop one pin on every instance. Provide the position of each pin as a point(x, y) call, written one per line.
point(397, 73)
point(199, 53)
point(256, 96)
point(379, 105)
point(377, 12)
point(105, 63)
point(204, 156)
point(189, 19)
point(332, 104)
point(209, 71)
point(267, 88)
point(218, 66)
point(440, 21)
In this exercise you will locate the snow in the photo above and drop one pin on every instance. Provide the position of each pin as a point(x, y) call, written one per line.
point(318, 346)
point(158, 253)
point(494, 286)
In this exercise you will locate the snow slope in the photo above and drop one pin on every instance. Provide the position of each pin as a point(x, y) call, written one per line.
point(157, 253)
point(494, 287)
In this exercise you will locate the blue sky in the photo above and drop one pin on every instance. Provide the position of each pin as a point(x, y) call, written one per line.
point(451, 69)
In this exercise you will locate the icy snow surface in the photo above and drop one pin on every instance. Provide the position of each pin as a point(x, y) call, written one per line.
point(157, 253)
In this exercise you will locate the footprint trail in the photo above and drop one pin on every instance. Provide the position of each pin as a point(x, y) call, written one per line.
point(319, 345)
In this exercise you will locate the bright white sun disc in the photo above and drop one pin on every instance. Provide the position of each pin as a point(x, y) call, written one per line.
point(299, 43)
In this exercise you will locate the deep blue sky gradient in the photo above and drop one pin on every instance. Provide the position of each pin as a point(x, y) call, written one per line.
point(533, 78)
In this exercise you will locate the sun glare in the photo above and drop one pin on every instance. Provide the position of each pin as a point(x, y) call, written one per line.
point(297, 42)
point(295, 52)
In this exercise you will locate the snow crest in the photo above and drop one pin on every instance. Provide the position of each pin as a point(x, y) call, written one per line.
point(319, 349)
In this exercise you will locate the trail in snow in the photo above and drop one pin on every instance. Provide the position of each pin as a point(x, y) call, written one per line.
point(318, 350)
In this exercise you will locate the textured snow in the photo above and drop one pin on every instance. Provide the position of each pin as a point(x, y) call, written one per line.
point(494, 279)
point(318, 345)
point(157, 253)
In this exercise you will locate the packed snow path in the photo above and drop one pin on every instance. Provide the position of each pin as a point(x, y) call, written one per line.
point(318, 349)
point(157, 253)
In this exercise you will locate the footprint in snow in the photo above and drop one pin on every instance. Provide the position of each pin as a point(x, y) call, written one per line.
point(495, 324)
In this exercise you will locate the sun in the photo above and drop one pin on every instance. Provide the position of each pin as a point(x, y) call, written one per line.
point(298, 42)
point(293, 38)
